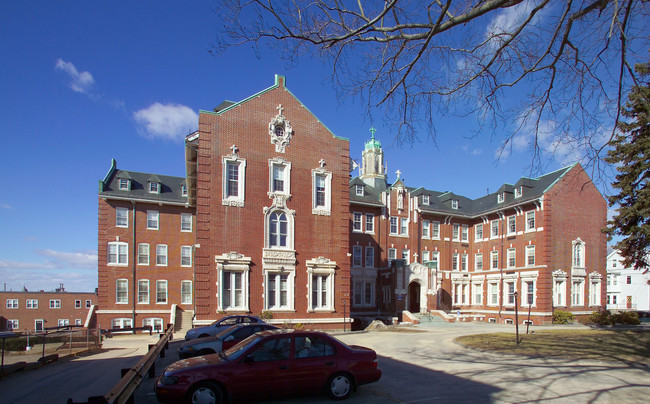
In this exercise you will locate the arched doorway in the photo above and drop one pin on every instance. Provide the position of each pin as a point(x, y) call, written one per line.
point(414, 297)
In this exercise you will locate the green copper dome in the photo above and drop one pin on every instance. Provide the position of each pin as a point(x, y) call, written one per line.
point(373, 143)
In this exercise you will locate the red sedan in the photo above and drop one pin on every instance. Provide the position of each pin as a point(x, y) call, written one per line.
point(271, 364)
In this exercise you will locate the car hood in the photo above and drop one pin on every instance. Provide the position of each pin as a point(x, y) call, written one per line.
point(196, 362)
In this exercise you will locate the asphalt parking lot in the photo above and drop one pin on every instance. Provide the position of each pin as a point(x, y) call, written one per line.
point(426, 367)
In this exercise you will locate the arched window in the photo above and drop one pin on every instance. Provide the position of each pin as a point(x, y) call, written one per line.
point(578, 253)
point(277, 230)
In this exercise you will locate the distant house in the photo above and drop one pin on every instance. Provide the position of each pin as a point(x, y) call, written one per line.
point(627, 288)
point(36, 311)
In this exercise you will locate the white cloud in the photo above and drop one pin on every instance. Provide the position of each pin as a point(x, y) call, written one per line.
point(169, 121)
point(57, 260)
point(80, 82)
point(6, 206)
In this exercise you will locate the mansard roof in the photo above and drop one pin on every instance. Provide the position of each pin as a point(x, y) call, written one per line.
point(170, 187)
point(371, 195)
point(441, 202)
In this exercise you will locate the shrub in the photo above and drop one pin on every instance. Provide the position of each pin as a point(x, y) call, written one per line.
point(266, 315)
point(601, 317)
point(626, 317)
point(562, 317)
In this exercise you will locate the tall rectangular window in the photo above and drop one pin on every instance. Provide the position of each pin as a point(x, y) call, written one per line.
point(186, 256)
point(425, 228)
point(278, 291)
point(186, 222)
point(494, 260)
point(434, 259)
point(143, 291)
point(425, 256)
point(493, 289)
point(577, 290)
point(152, 220)
point(392, 255)
point(529, 297)
point(406, 256)
point(161, 291)
point(122, 291)
point(435, 230)
point(143, 254)
point(121, 217)
point(510, 293)
point(186, 292)
point(464, 234)
point(370, 223)
point(232, 182)
point(393, 225)
point(161, 255)
point(356, 221)
point(478, 232)
point(455, 235)
point(478, 293)
point(511, 258)
point(530, 255)
point(232, 292)
point(370, 257)
point(559, 291)
point(494, 229)
point(278, 178)
point(356, 256)
point(512, 224)
point(403, 230)
point(463, 262)
point(454, 262)
point(478, 262)
point(530, 220)
point(319, 298)
point(320, 190)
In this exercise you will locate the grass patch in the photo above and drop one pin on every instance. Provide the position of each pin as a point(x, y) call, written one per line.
point(617, 346)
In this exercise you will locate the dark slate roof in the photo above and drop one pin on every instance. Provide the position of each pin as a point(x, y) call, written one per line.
point(371, 195)
point(170, 187)
point(440, 202)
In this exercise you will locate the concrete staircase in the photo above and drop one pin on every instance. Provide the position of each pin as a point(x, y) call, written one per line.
point(428, 320)
point(183, 321)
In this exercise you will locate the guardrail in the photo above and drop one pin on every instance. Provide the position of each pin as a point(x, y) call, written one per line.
point(122, 392)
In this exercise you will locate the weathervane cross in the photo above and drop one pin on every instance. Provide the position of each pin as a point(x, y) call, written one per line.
point(398, 172)
point(373, 130)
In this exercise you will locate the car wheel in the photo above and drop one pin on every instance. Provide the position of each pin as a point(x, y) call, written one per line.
point(205, 393)
point(205, 352)
point(339, 386)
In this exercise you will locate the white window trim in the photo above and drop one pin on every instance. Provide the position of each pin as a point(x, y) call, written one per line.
point(34, 304)
point(148, 291)
point(125, 211)
point(186, 281)
point(118, 245)
point(321, 266)
point(291, 275)
point(518, 192)
point(528, 228)
point(455, 232)
point(476, 237)
point(290, 228)
point(425, 199)
point(369, 263)
point(492, 235)
point(464, 233)
point(435, 225)
point(525, 279)
point(390, 226)
point(488, 301)
point(371, 221)
point(530, 248)
point(55, 303)
point(280, 162)
point(186, 215)
point(127, 183)
point(403, 223)
point(514, 253)
point(476, 261)
point(426, 228)
point(508, 231)
point(358, 215)
point(236, 201)
point(357, 252)
point(126, 288)
point(166, 255)
point(157, 216)
point(506, 291)
point(166, 283)
point(186, 248)
point(233, 262)
point(148, 254)
point(492, 267)
point(479, 286)
point(559, 276)
point(327, 209)
point(392, 250)
point(154, 187)
point(14, 303)
point(359, 289)
point(580, 288)
point(359, 190)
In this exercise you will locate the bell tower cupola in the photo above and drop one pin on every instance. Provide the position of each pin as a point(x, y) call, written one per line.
point(373, 168)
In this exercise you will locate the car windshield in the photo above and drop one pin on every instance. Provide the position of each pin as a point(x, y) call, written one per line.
point(224, 332)
point(236, 351)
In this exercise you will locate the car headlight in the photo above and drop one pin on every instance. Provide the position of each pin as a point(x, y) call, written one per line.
point(168, 380)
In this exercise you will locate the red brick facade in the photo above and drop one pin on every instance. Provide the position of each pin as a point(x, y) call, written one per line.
point(35, 311)
point(279, 229)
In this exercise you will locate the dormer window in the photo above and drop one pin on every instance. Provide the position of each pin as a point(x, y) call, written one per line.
point(154, 187)
point(518, 192)
point(183, 190)
point(454, 203)
point(425, 199)
point(501, 197)
point(359, 189)
point(125, 184)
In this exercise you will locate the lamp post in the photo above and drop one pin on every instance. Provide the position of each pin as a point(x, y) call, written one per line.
point(516, 317)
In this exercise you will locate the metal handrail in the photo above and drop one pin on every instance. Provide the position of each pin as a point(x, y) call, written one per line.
point(123, 391)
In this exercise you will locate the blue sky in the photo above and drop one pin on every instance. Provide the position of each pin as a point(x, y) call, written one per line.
point(83, 82)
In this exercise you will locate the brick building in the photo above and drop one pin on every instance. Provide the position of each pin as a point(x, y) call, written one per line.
point(269, 221)
point(35, 311)
point(420, 250)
